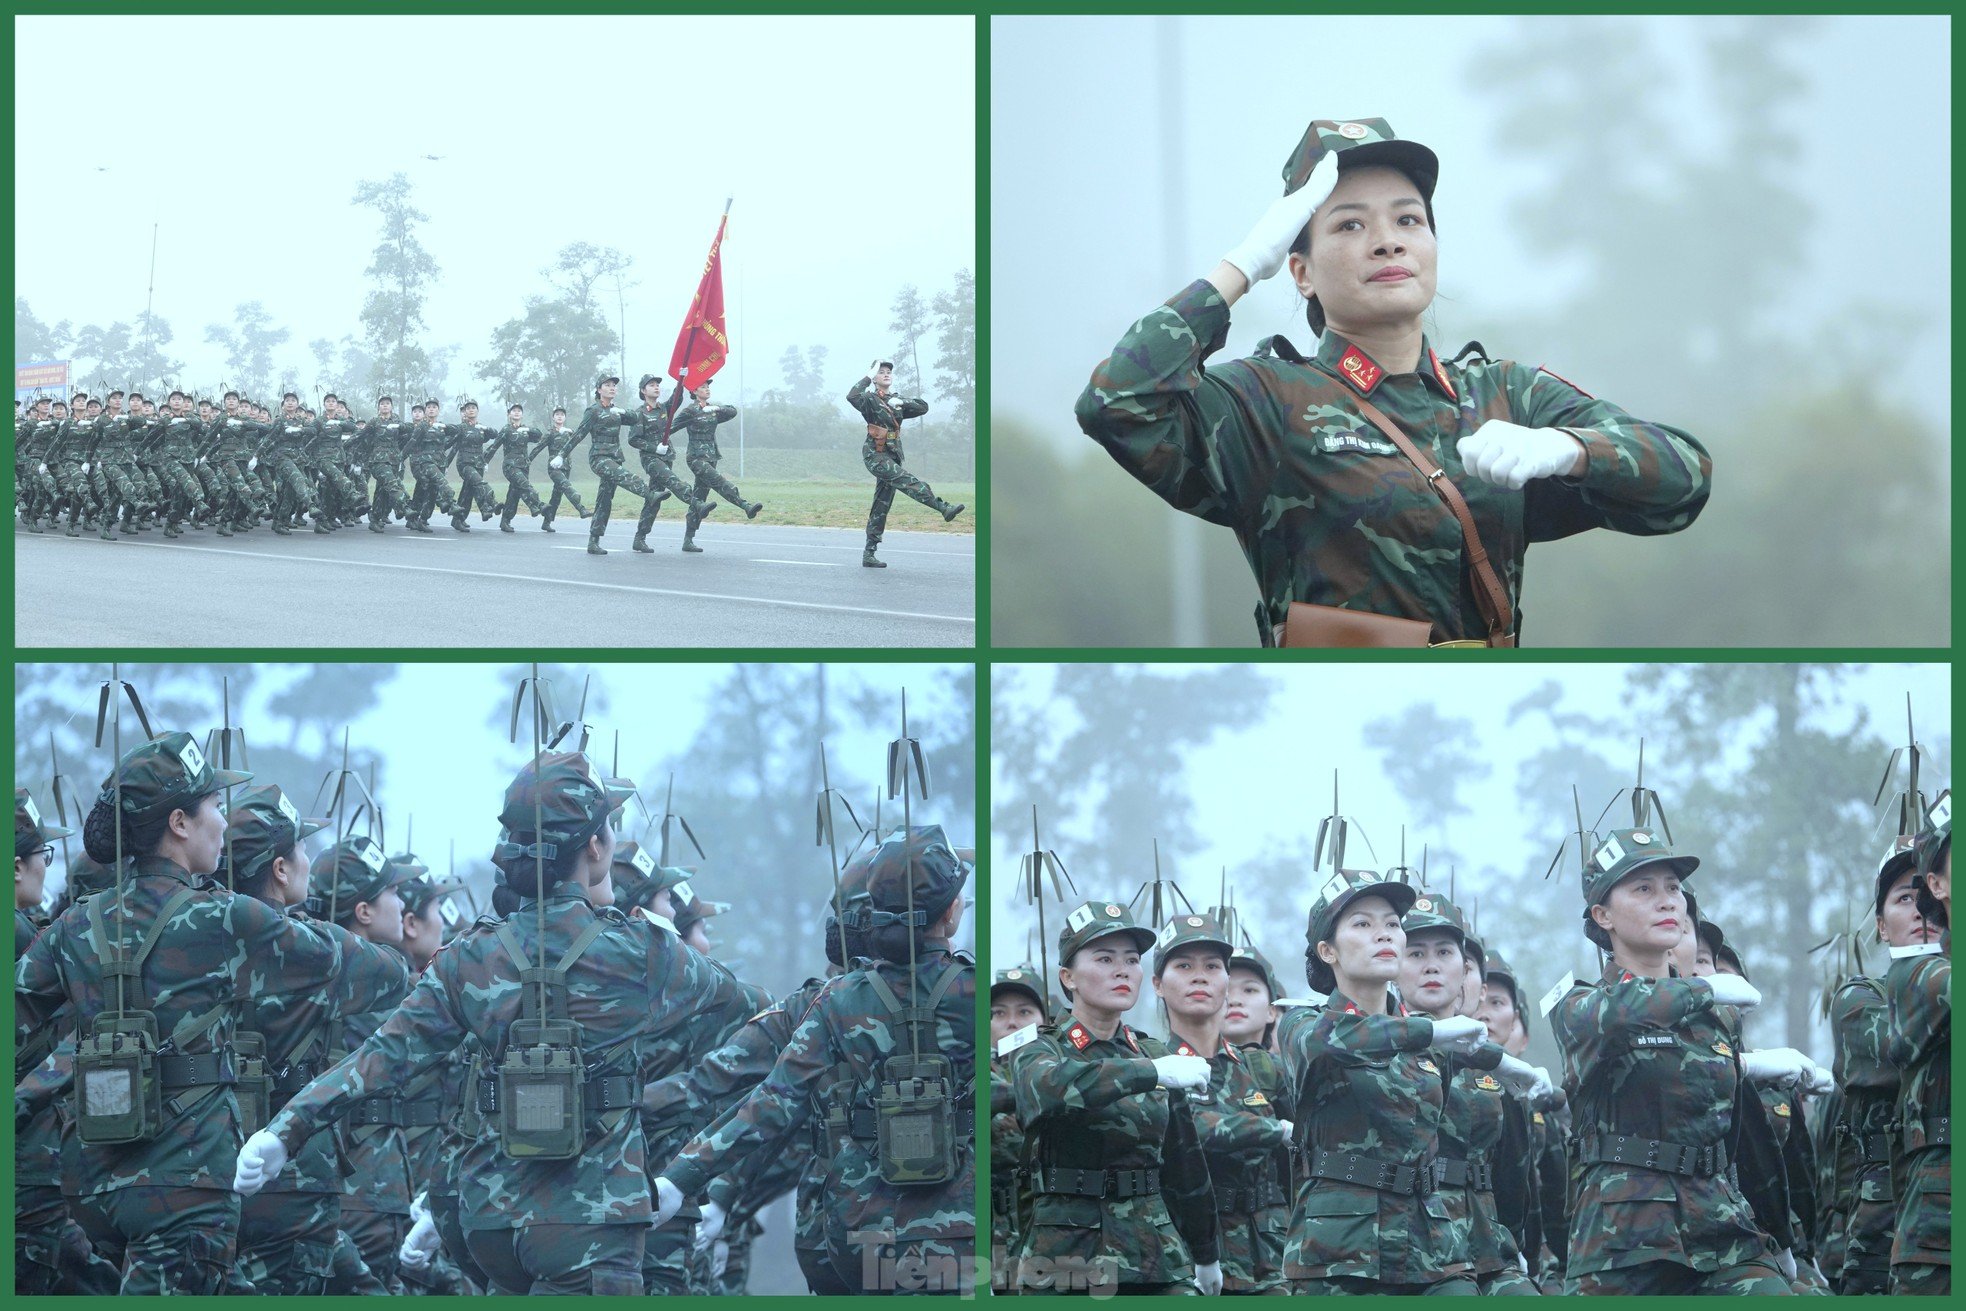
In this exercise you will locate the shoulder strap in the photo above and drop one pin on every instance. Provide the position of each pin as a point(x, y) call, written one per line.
point(580, 944)
point(941, 987)
point(1490, 596)
point(513, 947)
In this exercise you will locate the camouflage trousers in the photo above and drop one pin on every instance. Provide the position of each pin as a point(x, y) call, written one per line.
point(562, 486)
point(1757, 1275)
point(1507, 1283)
point(889, 478)
point(612, 473)
point(474, 490)
point(390, 495)
point(432, 491)
point(164, 1240)
point(736, 1276)
point(518, 487)
point(450, 1229)
point(119, 484)
point(598, 1260)
point(707, 480)
point(240, 494)
point(36, 490)
point(69, 484)
point(1867, 1232)
point(1921, 1280)
point(878, 1263)
point(1345, 1286)
point(287, 1242)
point(185, 495)
point(346, 498)
point(295, 489)
point(667, 1258)
point(663, 484)
point(379, 1237)
point(51, 1253)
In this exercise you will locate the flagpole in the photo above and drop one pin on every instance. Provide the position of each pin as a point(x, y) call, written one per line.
point(740, 371)
point(696, 329)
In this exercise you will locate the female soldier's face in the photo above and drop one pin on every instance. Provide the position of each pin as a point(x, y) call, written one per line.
point(30, 878)
point(1104, 973)
point(1901, 925)
point(1367, 942)
point(1246, 1007)
point(1373, 259)
point(203, 833)
point(1192, 982)
point(1470, 986)
point(1497, 1011)
point(1430, 971)
point(1011, 1010)
point(1647, 911)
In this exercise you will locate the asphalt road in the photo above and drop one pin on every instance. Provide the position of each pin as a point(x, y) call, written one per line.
point(754, 586)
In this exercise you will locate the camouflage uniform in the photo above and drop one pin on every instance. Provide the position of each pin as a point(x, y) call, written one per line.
point(164, 1206)
point(36, 491)
point(178, 444)
point(379, 449)
point(701, 422)
point(575, 1225)
point(603, 425)
point(1326, 509)
point(881, 453)
point(470, 440)
point(559, 446)
point(284, 452)
point(333, 439)
point(65, 479)
point(658, 465)
point(517, 445)
point(1920, 988)
point(231, 445)
point(1242, 1138)
point(428, 450)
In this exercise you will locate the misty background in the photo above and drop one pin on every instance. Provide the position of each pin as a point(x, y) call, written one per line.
point(1737, 225)
point(1766, 772)
point(498, 207)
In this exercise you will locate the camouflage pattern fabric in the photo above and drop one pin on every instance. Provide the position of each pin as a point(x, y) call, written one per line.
point(1920, 991)
point(287, 1242)
point(1010, 1193)
point(700, 423)
point(1655, 1059)
point(883, 457)
point(1241, 1133)
point(1326, 509)
point(470, 439)
point(872, 1228)
point(1367, 1085)
point(428, 451)
point(516, 446)
point(167, 1240)
point(560, 445)
point(1471, 1130)
point(1093, 1103)
point(548, 1258)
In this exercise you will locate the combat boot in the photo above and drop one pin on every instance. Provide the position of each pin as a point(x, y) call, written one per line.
point(505, 526)
point(867, 560)
point(642, 544)
point(378, 525)
point(457, 521)
point(594, 547)
point(689, 542)
point(751, 510)
point(949, 511)
point(546, 524)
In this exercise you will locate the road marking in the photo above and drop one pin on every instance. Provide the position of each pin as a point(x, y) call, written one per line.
point(571, 582)
point(810, 564)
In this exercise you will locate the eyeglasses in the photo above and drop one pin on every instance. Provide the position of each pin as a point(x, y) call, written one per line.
point(46, 853)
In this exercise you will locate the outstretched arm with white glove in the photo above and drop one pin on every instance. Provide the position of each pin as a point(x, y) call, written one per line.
point(1461, 1035)
point(1208, 1278)
point(1733, 990)
point(1260, 254)
point(1181, 1071)
point(1522, 1078)
point(1776, 1065)
point(1509, 455)
point(260, 1161)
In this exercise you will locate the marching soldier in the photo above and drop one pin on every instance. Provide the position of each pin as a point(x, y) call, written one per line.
point(881, 453)
point(1015, 1003)
point(429, 452)
point(602, 423)
point(517, 444)
point(653, 428)
point(559, 457)
point(378, 450)
point(282, 451)
point(700, 420)
point(1919, 986)
point(1249, 1012)
point(473, 444)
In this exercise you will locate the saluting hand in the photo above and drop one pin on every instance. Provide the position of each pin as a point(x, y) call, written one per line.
point(1509, 455)
point(1262, 252)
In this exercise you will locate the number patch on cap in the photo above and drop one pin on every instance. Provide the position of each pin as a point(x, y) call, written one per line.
point(191, 758)
point(1079, 918)
point(371, 855)
point(286, 807)
point(1941, 812)
point(1609, 854)
point(33, 815)
point(644, 862)
point(683, 893)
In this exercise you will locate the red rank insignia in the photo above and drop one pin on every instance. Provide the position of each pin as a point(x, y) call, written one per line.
point(1078, 1037)
point(1127, 1034)
point(1357, 368)
point(1183, 1049)
point(1440, 374)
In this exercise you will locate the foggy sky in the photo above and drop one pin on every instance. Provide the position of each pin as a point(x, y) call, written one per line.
point(848, 144)
point(1095, 221)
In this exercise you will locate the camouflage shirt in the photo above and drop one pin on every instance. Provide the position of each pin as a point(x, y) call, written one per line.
point(215, 949)
point(517, 444)
point(470, 439)
point(634, 991)
point(1858, 1207)
point(601, 426)
point(1242, 1137)
point(1471, 1129)
point(376, 1157)
point(1326, 509)
point(701, 425)
point(428, 439)
point(1920, 988)
point(1090, 1103)
point(381, 443)
point(1366, 1086)
point(1653, 1059)
point(884, 412)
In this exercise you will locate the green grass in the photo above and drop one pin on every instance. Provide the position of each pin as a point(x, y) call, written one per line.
point(804, 504)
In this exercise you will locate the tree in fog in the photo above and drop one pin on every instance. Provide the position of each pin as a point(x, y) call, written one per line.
point(910, 324)
point(955, 348)
point(35, 340)
point(400, 272)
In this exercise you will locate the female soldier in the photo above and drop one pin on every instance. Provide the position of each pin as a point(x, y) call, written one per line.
point(1920, 988)
point(33, 851)
point(700, 419)
point(1367, 1217)
point(921, 1202)
point(1373, 481)
point(1652, 1066)
point(1014, 1004)
point(184, 951)
point(1121, 1196)
point(881, 453)
point(1249, 1008)
point(535, 1220)
point(1477, 1114)
point(1236, 1117)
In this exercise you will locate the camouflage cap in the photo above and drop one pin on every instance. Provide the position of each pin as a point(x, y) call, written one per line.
point(1248, 958)
point(1498, 967)
point(1622, 853)
point(1430, 910)
point(1093, 920)
point(1359, 143)
point(421, 889)
point(1019, 978)
point(926, 859)
point(561, 793)
point(352, 871)
point(647, 378)
point(1715, 941)
point(693, 909)
point(166, 774)
point(1339, 891)
point(633, 873)
point(1185, 930)
point(87, 876)
point(31, 832)
point(263, 823)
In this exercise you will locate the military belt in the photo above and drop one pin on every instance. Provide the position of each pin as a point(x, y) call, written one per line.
point(1248, 1201)
point(1064, 1181)
point(291, 1080)
point(1874, 1148)
point(404, 1113)
point(1930, 1131)
point(1003, 1194)
point(1451, 1172)
point(194, 1071)
point(1386, 1176)
point(1651, 1154)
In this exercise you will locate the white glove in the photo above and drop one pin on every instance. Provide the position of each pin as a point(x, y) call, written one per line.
point(85, 466)
point(1522, 1078)
point(711, 1225)
point(1777, 1065)
point(1509, 455)
point(1460, 1034)
point(43, 468)
point(260, 1160)
point(201, 462)
point(662, 448)
point(1733, 990)
point(356, 467)
point(556, 463)
point(422, 1243)
point(1523, 1262)
point(874, 368)
point(719, 1260)
point(668, 1201)
point(1788, 1262)
point(1208, 1278)
point(1181, 1071)
point(419, 1206)
point(1262, 252)
point(252, 462)
point(1816, 1080)
point(1289, 1128)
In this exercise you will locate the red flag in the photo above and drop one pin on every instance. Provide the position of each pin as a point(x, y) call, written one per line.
point(702, 346)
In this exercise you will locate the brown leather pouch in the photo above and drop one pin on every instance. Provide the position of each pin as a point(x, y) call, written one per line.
point(1307, 625)
point(880, 435)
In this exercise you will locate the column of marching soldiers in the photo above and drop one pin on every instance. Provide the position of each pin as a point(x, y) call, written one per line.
point(244, 1068)
point(1385, 1135)
point(122, 464)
